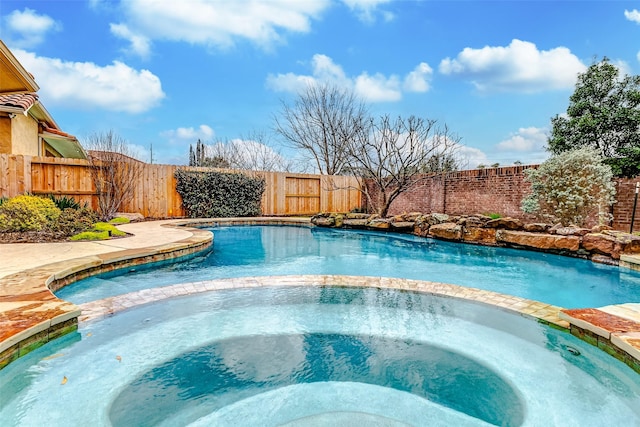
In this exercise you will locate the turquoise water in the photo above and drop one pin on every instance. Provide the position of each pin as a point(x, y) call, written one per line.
point(318, 356)
point(281, 250)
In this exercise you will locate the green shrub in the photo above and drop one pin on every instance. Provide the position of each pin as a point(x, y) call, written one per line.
point(219, 195)
point(28, 213)
point(109, 228)
point(3, 199)
point(91, 235)
point(570, 187)
point(65, 202)
point(494, 215)
point(73, 221)
point(119, 220)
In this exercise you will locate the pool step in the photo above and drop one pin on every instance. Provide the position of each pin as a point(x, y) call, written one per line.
point(614, 328)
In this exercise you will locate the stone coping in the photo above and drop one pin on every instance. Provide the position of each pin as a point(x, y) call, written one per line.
point(30, 315)
point(545, 313)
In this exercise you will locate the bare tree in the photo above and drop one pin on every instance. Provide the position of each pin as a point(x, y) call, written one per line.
point(391, 156)
point(321, 123)
point(114, 171)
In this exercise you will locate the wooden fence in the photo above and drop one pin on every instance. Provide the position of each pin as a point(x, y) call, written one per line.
point(156, 196)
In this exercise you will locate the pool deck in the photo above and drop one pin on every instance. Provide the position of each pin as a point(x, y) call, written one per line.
point(30, 315)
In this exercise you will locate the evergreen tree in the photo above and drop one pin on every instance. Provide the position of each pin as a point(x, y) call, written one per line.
point(604, 114)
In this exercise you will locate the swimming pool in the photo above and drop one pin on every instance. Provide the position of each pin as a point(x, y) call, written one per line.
point(242, 251)
point(318, 355)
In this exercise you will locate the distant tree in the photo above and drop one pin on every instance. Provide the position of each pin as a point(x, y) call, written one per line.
point(440, 163)
point(603, 113)
point(389, 156)
point(321, 123)
point(570, 187)
point(517, 163)
point(114, 171)
point(495, 165)
point(246, 153)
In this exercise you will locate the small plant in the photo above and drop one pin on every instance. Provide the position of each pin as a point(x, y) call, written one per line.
point(99, 231)
point(3, 199)
point(28, 213)
point(65, 202)
point(119, 220)
point(91, 235)
point(494, 215)
point(73, 221)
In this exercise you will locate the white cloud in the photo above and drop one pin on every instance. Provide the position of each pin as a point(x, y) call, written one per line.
point(418, 79)
point(81, 85)
point(190, 135)
point(140, 45)
point(638, 56)
point(30, 27)
point(525, 140)
point(366, 10)
point(471, 157)
point(633, 15)
point(220, 23)
point(373, 88)
point(519, 67)
point(378, 88)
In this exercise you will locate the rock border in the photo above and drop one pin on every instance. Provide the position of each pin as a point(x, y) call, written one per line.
point(599, 244)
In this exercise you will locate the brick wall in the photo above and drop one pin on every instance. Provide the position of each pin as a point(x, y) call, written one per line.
point(495, 190)
point(623, 208)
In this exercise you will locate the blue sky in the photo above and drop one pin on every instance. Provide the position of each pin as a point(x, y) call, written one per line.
point(165, 73)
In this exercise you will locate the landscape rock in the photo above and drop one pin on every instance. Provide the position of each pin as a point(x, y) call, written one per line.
point(536, 227)
point(421, 226)
point(507, 223)
point(323, 221)
point(601, 244)
point(437, 218)
point(482, 235)
point(354, 215)
point(402, 225)
point(472, 221)
point(572, 231)
point(379, 224)
point(355, 223)
point(538, 240)
point(446, 231)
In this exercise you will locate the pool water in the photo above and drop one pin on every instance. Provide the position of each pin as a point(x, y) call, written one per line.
point(318, 356)
point(284, 250)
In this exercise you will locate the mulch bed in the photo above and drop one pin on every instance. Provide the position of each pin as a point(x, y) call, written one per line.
point(33, 237)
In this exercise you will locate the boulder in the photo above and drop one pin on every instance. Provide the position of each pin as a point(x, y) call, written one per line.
point(536, 227)
point(446, 231)
point(379, 224)
point(482, 235)
point(600, 228)
point(629, 243)
point(411, 216)
point(601, 244)
point(437, 218)
point(472, 221)
point(355, 223)
point(322, 221)
point(421, 226)
point(339, 219)
point(507, 223)
point(572, 231)
point(538, 240)
point(353, 215)
point(402, 225)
